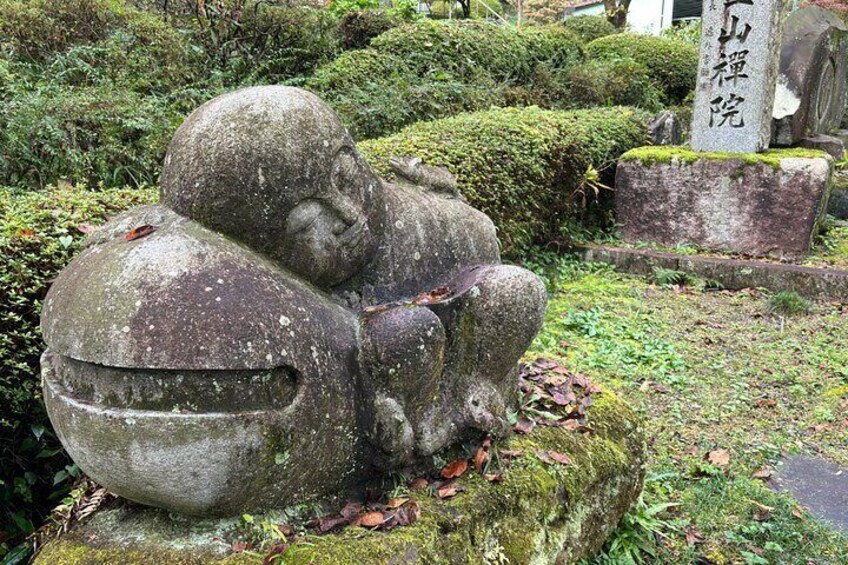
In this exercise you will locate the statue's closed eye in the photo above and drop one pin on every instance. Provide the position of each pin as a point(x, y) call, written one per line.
point(302, 216)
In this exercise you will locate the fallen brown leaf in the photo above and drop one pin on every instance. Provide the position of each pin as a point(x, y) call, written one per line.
point(455, 469)
point(419, 484)
point(139, 232)
point(396, 503)
point(693, 536)
point(550, 457)
point(719, 457)
point(495, 477)
point(448, 490)
point(240, 546)
point(524, 426)
point(481, 457)
point(762, 474)
point(370, 520)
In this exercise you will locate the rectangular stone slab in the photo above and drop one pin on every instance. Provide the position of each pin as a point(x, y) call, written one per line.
point(758, 205)
point(734, 96)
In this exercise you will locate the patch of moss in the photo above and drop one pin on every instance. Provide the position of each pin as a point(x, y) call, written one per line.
point(538, 513)
point(666, 154)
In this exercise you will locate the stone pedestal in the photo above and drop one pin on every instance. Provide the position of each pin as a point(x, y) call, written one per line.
point(539, 513)
point(760, 204)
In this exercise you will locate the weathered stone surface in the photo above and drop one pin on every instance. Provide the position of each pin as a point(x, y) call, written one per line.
point(833, 146)
point(735, 92)
point(732, 274)
point(818, 485)
point(811, 86)
point(759, 204)
point(838, 204)
point(538, 514)
point(289, 326)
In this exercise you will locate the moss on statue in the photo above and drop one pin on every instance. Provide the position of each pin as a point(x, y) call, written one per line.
point(666, 154)
point(538, 514)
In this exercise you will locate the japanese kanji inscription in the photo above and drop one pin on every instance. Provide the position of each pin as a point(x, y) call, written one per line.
point(740, 52)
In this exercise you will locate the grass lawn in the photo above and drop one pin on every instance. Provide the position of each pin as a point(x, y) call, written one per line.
point(712, 371)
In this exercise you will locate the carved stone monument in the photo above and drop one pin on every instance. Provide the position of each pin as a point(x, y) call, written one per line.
point(728, 193)
point(734, 97)
point(283, 325)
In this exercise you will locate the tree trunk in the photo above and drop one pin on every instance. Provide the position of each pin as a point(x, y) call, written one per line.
point(617, 12)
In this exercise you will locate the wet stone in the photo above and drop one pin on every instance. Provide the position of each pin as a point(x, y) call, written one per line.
point(818, 485)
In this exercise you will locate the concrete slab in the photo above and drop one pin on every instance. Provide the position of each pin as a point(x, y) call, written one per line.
point(818, 485)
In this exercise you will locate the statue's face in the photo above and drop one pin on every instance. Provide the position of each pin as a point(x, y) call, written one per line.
point(331, 233)
point(275, 169)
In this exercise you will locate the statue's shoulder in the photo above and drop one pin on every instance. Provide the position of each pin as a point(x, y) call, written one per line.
point(153, 289)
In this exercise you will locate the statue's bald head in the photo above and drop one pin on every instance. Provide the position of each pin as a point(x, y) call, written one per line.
point(274, 168)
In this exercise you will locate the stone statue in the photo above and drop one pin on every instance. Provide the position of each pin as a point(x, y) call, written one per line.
point(284, 325)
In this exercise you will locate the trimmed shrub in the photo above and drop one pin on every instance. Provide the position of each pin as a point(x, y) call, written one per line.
point(360, 27)
point(467, 49)
point(589, 28)
point(672, 64)
point(525, 167)
point(87, 135)
point(39, 233)
point(613, 82)
point(432, 70)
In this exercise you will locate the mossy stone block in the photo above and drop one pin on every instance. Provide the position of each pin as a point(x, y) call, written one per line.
point(539, 513)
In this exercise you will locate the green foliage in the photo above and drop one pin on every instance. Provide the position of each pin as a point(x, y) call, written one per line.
point(669, 277)
point(359, 27)
point(609, 82)
point(589, 28)
point(521, 166)
point(341, 7)
point(788, 303)
point(672, 64)
point(430, 70)
point(686, 31)
point(634, 541)
point(86, 134)
point(39, 233)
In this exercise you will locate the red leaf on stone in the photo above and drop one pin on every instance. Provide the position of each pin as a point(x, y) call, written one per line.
point(455, 469)
point(139, 232)
point(86, 228)
point(524, 426)
point(432, 296)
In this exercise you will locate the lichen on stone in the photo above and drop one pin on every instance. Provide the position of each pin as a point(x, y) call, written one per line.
point(667, 154)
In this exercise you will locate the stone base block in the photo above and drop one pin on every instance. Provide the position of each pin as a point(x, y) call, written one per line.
point(763, 204)
point(539, 513)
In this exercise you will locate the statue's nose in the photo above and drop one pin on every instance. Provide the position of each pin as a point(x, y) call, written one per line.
point(344, 207)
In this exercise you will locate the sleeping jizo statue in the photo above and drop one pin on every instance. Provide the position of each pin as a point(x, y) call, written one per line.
point(284, 325)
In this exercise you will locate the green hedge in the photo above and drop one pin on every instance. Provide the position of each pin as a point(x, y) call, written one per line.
point(39, 233)
point(589, 28)
point(524, 167)
point(359, 27)
point(672, 64)
point(430, 70)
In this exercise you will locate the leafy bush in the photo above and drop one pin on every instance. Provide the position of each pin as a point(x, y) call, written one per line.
point(525, 167)
point(688, 31)
point(589, 28)
point(672, 64)
point(39, 233)
point(612, 82)
point(86, 134)
point(358, 28)
point(431, 70)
